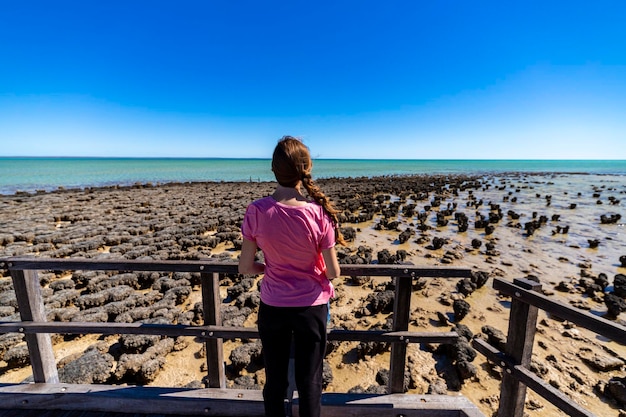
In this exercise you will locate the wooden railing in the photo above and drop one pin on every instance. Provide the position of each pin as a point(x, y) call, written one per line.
point(515, 360)
point(37, 330)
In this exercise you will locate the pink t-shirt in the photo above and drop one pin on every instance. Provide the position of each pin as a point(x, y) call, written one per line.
point(292, 239)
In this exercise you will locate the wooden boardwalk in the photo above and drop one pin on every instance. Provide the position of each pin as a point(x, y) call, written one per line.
point(65, 413)
point(72, 400)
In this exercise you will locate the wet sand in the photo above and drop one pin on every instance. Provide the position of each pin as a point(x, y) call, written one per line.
point(567, 243)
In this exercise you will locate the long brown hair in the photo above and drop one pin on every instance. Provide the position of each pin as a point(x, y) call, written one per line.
point(291, 164)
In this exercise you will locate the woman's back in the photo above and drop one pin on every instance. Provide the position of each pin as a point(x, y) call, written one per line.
point(291, 237)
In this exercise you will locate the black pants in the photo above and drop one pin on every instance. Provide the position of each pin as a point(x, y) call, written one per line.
point(307, 325)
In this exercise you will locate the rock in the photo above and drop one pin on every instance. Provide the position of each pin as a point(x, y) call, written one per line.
point(405, 236)
point(581, 304)
point(619, 285)
point(479, 278)
point(62, 284)
point(92, 367)
point(134, 315)
point(8, 340)
point(495, 337)
point(116, 308)
point(143, 367)
point(6, 284)
point(345, 257)
point(442, 318)
point(373, 389)
point(178, 294)
point(610, 218)
point(17, 356)
point(83, 278)
point(62, 298)
point(165, 284)
point(150, 369)
point(463, 331)
point(62, 314)
point(564, 286)
point(102, 297)
point(6, 311)
point(349, 234)
point(572, 333)
point(616, 389)
point(128, 279)
point(539, 368)
point(603, 363)
point(245, 382)
point(462, 221)
point(243, 356)
point(466, 286)
point(234, 316)
point(438, 243)
point(8, 299)
point(137, 343)
point(251, 300)
point(490, 250)
point(461, 351)
point(382, 377)
point(614, 304)
point(358, 280)
point(327, 375)
point(380, 302)
point(195, 385)
point(438, 387)
point(451, 375)
point(94, 315)
point(461, 309)
point(386, 258)
point(602, 280)
point(466, 370)
point(238, 289)
point(593, 243)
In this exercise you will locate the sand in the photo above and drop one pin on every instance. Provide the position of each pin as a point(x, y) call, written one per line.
point(558, 253)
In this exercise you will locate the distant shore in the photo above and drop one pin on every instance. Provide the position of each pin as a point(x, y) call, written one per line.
point(391, 219)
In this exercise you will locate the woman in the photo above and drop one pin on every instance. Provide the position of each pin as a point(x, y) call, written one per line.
point(297, 237)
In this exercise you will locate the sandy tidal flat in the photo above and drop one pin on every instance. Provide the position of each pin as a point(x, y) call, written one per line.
point(393, 219)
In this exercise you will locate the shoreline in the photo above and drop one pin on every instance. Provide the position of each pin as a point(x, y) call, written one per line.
point(136, 220)
point(151, 184)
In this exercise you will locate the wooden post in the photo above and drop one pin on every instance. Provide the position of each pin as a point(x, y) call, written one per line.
point(30, 302)
point(401, 311)
point(211, 303)
point(519, 347)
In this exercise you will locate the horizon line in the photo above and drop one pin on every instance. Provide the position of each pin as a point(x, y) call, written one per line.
point(314, 159)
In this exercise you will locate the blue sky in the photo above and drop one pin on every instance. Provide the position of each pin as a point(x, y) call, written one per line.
point(353, 79)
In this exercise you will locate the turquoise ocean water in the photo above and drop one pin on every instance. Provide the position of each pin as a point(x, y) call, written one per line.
point(47, 174)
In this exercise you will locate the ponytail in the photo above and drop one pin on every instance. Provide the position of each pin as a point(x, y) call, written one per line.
point(316, 193)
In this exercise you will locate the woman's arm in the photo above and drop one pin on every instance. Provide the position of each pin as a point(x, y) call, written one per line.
point(332, 264)
point(247, 264)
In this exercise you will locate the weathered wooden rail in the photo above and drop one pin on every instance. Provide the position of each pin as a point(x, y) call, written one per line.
point(48, 393)
point(515, 360)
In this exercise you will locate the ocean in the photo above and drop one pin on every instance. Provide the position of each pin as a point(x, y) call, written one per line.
point(29, 174)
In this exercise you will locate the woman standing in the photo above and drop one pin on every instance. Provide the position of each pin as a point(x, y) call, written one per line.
point(297, 237)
